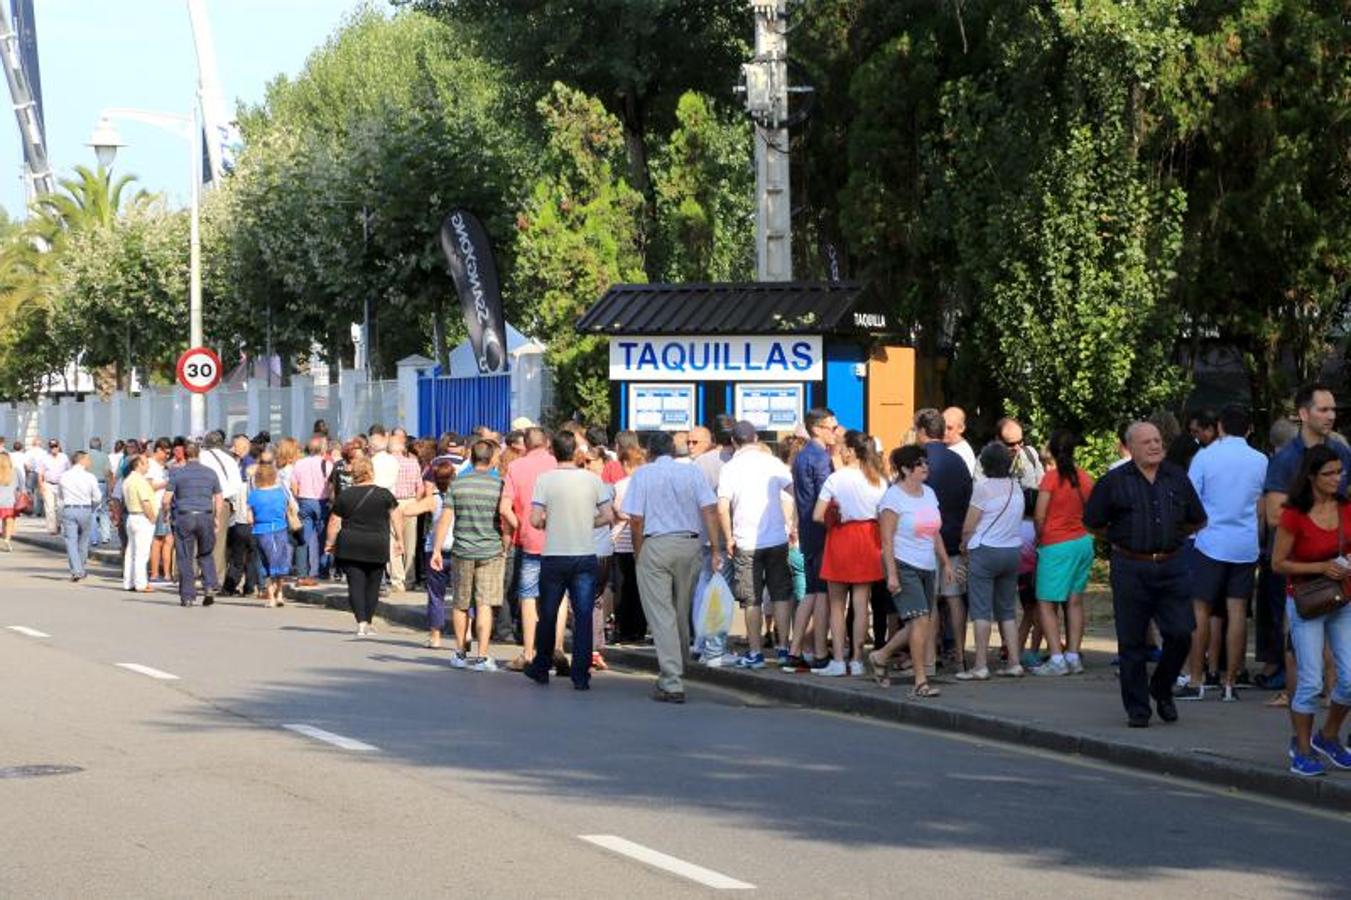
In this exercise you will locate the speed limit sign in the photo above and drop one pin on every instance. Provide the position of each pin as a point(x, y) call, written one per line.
point(199, 370)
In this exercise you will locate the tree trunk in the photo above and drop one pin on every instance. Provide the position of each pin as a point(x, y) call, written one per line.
point(640, 173)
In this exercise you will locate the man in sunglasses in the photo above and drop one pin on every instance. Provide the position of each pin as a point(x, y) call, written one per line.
point(1027, 468)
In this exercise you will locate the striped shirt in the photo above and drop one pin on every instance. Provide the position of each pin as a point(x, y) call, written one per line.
point(474, 499)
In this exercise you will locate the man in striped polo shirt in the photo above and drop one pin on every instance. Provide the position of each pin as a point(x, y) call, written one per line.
point(483, 520)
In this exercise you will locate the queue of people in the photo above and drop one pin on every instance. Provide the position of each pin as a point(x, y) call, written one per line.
point(847, 560)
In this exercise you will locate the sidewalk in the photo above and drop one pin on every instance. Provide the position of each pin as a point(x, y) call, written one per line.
point(1233, 745)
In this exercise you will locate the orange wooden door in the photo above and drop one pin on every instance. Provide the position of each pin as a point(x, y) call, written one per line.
point(891, 394)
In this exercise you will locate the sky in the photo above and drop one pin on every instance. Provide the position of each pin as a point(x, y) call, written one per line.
point(99, 53)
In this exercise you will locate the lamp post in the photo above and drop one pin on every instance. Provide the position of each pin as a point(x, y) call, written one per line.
point(106, 142)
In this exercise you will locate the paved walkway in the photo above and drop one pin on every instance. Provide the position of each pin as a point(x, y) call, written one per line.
point(1239, 745)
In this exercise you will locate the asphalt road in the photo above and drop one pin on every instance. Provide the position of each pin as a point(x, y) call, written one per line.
point(470, 784)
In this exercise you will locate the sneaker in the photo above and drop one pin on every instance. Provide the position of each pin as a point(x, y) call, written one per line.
point(1304, 765)
point(361, 629)
point(1335, 753)
point(981, 674)
point(782, 655)
point(751, 661)
point(1229, 695)
point(1051, 667)
point(1212, 679)
point(1030, 659)
point(857, 669)
point(795, 664)
point(832, 669)
point(457, 661)
point(819, 663)
point(1182, 680)
point(1190, 692)
point(1076, 664)
point(485, 664)
point(1013, 671)
point(722, 660)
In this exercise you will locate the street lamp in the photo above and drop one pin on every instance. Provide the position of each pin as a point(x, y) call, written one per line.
point(105, 140)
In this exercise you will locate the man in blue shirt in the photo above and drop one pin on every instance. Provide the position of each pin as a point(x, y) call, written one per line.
point(1228, 476)
point(951, 482)
point(1317, 410)
point(813, 465)
point(194, 497)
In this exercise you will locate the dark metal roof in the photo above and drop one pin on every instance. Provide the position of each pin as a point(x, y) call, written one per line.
point(752, 308)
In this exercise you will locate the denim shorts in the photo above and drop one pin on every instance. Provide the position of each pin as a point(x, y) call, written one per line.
point(527, 575)
point(917, 596)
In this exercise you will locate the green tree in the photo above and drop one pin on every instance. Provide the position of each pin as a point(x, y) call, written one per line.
point(705, 185)
point(580, 232)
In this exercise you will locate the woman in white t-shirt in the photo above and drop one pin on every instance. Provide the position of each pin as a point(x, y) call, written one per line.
point(992, 541)
point(913, 555)
point(852, 561)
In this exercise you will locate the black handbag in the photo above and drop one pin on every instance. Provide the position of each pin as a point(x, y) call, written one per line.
point(1320, 595)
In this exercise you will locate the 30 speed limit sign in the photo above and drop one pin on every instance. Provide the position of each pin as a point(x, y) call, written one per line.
point(199, 370)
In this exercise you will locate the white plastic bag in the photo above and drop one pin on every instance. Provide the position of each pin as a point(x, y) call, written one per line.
point(714, 607)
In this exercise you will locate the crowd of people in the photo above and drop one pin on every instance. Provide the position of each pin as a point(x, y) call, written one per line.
point(847, 560)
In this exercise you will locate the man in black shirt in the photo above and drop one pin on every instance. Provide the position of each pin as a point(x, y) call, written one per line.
point(1146, 509)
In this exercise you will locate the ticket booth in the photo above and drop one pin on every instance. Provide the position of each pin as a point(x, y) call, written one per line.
point(681, 354)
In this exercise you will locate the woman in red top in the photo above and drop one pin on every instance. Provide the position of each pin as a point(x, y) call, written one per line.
point(1064, 555)
point(1308, 545)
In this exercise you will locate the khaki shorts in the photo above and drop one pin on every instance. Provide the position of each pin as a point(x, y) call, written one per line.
point(957, 586)
point(478, 582)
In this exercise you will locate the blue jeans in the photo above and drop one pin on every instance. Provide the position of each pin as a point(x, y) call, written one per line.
point(314, 516)
point(1308, 637)
point(77, 526)
point(437, 583)
point(576, 576)
point(103, 523)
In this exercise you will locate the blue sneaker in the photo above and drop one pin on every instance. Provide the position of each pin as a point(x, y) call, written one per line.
point(1334, 752)
point(782, 654)
point(1304, 765)
point(751, 661)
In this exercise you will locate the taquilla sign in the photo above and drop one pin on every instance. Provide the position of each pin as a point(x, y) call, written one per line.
point(717, 358)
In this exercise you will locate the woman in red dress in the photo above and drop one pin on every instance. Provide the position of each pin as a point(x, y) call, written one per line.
point(853, 556)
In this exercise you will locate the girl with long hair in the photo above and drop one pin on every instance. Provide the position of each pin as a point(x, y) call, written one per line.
point(1064, 555)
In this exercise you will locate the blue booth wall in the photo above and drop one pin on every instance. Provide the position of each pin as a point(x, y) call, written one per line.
point(845, 389)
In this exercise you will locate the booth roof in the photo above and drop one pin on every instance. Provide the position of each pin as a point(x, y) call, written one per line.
point(792, 307)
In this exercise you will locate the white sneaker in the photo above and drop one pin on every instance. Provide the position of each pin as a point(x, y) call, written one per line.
point(486, 664)
point(835, 669)
point(857, 669)
point(457, 661)
point(717, 662)
point(1076, 664)
point(1051, 668)
point(361, 629)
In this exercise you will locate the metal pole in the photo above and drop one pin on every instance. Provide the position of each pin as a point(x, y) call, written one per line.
point(196, 402)
point(774, 225)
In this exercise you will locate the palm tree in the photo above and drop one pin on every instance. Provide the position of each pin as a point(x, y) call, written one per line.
point(90, 200)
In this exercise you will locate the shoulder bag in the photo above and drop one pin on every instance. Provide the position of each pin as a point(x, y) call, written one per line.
point(1320, 595)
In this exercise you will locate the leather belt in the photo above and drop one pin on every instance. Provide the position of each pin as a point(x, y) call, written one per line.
point(1147, 557)
point(680, 534)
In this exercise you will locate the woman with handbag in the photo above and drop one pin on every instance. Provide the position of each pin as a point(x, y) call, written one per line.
point(9, 497)
point(1310, 548)
point(268, 507)
point(992, 543)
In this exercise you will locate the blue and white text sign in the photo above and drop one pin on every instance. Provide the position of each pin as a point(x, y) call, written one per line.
point(717, 358)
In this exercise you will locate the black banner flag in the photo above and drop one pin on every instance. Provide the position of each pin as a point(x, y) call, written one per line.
point(474, 269)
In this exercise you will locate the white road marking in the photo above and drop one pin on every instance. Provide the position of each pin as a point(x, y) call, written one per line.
point(329, 737)
point(25, 630)
point(146, 670)
point(657, 859)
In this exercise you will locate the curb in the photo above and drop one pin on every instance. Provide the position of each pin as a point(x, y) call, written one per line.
point(1326, 792)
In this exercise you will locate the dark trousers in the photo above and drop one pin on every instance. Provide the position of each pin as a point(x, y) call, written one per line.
point(1142, 591)
point(507, 619)
point(1269, 615)
point(239, 569)
point(195, 540)
point(630, 623)
point(437, 583)
point(363, 587)
point(575, 576)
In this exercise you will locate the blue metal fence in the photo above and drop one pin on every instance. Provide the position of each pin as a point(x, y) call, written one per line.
point(460, 404)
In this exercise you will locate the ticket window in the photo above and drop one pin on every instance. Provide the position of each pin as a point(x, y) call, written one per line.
point(770, 407)
point(661, 407)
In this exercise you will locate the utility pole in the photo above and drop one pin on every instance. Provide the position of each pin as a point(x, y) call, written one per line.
point(765, 83)
point(39, 173)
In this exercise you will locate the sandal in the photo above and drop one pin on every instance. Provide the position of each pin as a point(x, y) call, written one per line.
point(517, 664)
point(924, 691)
point(881, 670)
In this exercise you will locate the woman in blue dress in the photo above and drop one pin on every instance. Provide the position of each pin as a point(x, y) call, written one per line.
point(267, 503)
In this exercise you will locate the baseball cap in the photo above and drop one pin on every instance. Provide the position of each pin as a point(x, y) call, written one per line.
point(521, 423)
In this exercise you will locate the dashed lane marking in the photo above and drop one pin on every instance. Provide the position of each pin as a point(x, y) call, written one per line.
point(666, 863)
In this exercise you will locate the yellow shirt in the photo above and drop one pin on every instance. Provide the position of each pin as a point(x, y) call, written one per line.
point(136, 492)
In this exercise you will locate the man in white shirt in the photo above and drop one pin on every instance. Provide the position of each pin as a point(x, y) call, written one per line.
point(751, 493)
point(80, 495)
point(51, 466)
point(954, 437)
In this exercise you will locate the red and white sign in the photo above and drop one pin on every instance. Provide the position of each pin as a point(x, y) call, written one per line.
point(199, 370)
